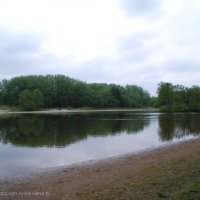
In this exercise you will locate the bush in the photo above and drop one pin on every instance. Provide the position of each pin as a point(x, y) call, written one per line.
point(181, 107)
point(30, 100)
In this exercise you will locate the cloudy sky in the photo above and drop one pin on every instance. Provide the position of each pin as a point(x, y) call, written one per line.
point(138, 42)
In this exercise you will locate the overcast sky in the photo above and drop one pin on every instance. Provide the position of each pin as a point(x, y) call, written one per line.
point(138, 42)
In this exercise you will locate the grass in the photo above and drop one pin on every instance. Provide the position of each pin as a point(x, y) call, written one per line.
point(5, 107)
point(10, 108)
point(190, 191)
point(178, 179)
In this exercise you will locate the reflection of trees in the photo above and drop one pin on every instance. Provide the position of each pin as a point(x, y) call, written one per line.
point(62, 130)
point(178, 125)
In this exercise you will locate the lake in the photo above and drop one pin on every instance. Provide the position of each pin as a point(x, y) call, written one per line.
point(31, 142)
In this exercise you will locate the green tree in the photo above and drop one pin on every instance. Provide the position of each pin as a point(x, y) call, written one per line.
point(30, 100)
point(154, 102)
point(137, 96)
point(180, 103)
point(194, 98)
point(63, 91)
point(38, 98)
point(81, 95)
point(165, 96)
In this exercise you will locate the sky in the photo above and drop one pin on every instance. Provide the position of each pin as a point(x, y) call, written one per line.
point(140, 42)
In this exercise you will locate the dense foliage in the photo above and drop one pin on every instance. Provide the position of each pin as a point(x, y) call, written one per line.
point(30, 100)
point(177, 98)
point(34, 92)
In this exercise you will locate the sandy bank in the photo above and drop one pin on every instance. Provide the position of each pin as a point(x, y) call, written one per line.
point(57, 111)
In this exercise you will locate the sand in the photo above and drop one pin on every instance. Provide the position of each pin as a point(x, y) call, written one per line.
point(63, 111)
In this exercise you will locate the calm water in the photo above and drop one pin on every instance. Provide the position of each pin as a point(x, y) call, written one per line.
point(37, 141)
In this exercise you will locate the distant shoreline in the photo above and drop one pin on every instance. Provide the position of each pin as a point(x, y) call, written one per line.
point(87, 110)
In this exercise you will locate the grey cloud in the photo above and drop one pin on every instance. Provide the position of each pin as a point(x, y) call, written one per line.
point(17, 51)
point(140, 7)
point(96, 70)
point(133, 49)
point(21, 54)
point(111, 71)
point(182, 65)
point(136, 39)
point(179, 65)
point(15, 43)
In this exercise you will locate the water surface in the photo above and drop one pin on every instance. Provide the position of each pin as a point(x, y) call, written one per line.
point(38, 141)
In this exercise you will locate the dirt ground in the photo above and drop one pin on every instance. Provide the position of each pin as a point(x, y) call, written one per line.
point(88, 181)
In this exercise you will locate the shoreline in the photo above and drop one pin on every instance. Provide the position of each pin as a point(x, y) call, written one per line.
point(63, 111)
point(88, 177)
point(37, 172)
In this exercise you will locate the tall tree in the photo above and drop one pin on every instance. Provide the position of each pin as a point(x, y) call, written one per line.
point(30, 100)
point(165, 96)
point(194, 98)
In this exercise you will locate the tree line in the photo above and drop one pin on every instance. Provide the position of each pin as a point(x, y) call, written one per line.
point(177, 98)
point(58, 91)
point(50, 91)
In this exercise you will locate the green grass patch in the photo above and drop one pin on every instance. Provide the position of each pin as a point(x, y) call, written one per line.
point(5, 107)
point(190, 191)
point(9, 108)
point(178, 179)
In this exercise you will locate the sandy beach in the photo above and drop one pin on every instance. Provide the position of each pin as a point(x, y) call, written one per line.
point(63, 111)
point(105, 177)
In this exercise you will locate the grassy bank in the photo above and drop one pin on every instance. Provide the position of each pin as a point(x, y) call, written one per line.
point(9, 108)
point(161, 182)
point(177, 179)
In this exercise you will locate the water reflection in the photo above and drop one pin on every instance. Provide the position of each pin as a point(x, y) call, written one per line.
point(178, 125)
point(32, 141)
point(63, 130)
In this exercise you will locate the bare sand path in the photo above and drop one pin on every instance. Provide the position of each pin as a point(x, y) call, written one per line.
point(63, 111)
